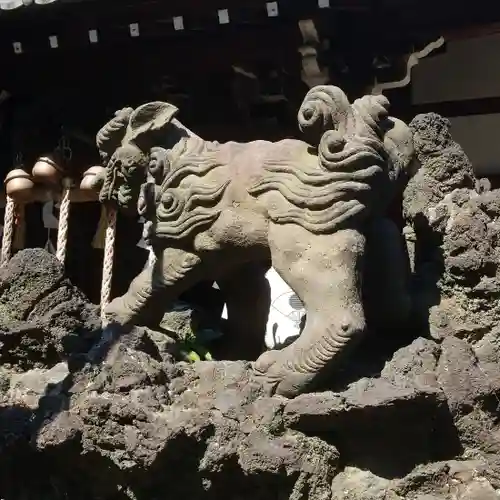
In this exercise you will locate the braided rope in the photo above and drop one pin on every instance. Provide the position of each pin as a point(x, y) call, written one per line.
point(107, 265)
point(8, 230)
point(63, 226)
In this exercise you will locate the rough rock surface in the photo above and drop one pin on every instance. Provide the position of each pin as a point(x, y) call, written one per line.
point(454, 232)
point(420, 421)
point(43, 317)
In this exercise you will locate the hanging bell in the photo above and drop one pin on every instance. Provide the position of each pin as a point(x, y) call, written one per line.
point(19, 186)
point(87, 191)
point(47, 171)
point(89, 177)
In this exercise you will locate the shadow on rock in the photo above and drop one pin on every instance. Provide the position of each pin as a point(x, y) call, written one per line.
point(387, 425)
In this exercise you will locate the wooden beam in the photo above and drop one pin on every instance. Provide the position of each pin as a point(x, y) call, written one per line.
point(141, 59)
point(473, 32)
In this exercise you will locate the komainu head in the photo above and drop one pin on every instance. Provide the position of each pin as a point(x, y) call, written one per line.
point(127, 148)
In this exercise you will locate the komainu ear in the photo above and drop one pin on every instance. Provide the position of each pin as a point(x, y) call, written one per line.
point(150, 117)
point(398, 142)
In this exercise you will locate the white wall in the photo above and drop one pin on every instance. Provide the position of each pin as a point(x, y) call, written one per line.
point(479, 136)
point(469, 69)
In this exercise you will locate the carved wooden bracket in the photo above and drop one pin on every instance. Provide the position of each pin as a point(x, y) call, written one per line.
point(312, 74)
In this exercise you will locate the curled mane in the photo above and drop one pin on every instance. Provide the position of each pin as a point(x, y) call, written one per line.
point(182, 210)
point(110, 135)
point(323, 197)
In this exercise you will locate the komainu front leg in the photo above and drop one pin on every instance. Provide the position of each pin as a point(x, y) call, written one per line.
point(325, 271)
point(173, 272)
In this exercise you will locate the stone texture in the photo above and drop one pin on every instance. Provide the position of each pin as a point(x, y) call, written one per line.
point(453, 227)
point(140, 425)
point(43, 317)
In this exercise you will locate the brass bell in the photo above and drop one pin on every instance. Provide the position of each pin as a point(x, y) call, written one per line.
point(86, 191)
point(89, 177)
point(47, 171)
point(20, 186)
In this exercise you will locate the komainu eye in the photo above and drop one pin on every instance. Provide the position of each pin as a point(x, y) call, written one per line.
point(158, 161)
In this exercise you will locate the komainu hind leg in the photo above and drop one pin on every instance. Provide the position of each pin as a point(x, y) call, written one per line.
point(325, 272)
point(248, 298)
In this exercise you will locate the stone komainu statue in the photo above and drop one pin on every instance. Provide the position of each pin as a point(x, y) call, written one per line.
point(316, 209)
